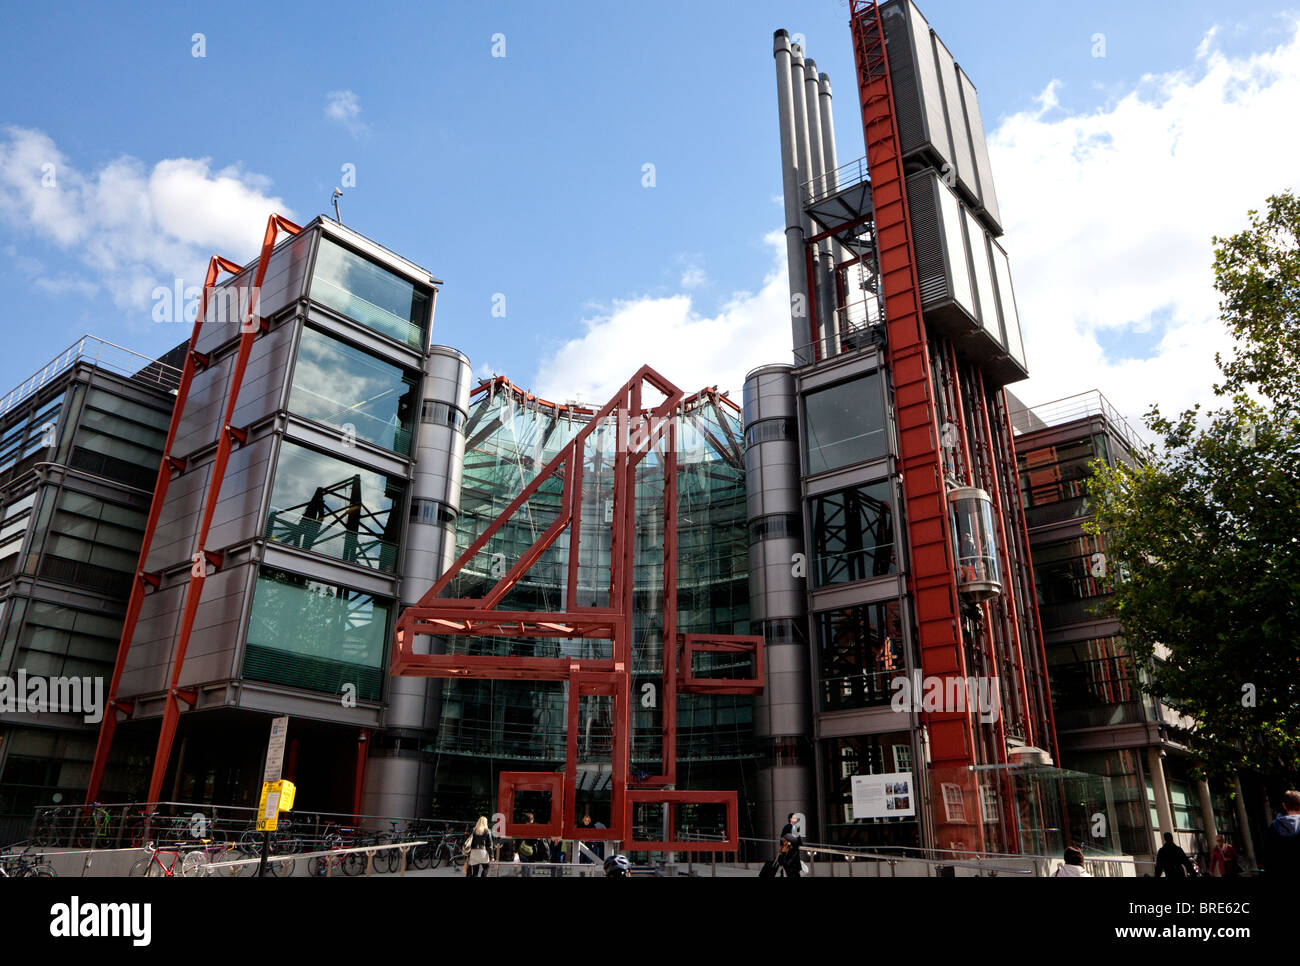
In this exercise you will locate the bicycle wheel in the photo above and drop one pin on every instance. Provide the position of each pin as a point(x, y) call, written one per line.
point(282, 868)
point(316, 866)
point(420, 856)
point(437, 854)
point(354, 863)
point(194, 865)
point(139, 869)
point(225, 859)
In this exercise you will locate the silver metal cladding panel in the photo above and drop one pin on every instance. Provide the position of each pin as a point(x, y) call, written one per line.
point(955, 120)
point(980, 150)
point(786, 789)
point(391, 787)
point(448, 376)
point(286, 273)
point(787, 705)
point(237, 516)
point(1007, 302)
point(262, 387)
point(956, 262)
point(430, 544)
point(772, 479)
point(440, 465)
point(214, 642)
point(769, 392)
point(775, 593)
point(148, 660)
point(918, 98)
point(983, 272)
point(204, 408)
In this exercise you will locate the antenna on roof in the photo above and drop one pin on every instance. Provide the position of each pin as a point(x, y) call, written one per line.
point(334, 199)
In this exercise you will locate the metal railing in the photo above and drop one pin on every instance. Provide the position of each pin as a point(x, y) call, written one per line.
point(1069, 408)
point(103, 355)
point(832, 182)
point(131, 824)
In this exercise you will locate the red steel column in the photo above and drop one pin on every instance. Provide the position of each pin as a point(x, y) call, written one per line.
point(932, 579)
point(225, 443)
point(168, 464)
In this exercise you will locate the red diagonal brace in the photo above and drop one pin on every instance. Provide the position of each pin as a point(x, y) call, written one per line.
point(194, 361)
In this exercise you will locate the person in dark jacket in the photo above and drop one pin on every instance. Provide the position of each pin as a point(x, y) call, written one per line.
point(787, 859)
point(1172, 862)
point(1282, 840)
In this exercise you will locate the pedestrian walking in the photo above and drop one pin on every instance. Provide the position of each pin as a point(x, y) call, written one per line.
point(788, 858)
point(1172, 862)
point(480, 847)
point(1223, 860)
point(1073, 867)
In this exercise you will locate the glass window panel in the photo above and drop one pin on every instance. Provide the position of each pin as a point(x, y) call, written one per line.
point(361, 290)
point(339, 509)
point(844, 424)
point(853, 534)
point(336, 384)
point(860, 652)
point(313, 635)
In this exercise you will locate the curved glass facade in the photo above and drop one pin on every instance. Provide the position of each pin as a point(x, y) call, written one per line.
point(522, 725)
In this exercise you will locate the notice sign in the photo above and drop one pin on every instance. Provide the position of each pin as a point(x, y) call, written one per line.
point(275, 749)
point(884, 796)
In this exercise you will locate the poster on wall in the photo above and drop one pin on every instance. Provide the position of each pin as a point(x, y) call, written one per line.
point(884, 796)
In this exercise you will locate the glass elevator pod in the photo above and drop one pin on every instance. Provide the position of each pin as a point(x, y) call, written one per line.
point(974, 541)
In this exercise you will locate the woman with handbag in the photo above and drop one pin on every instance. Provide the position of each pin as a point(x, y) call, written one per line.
point(479, 844)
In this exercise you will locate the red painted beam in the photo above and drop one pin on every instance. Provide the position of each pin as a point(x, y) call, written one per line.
point(168, 465)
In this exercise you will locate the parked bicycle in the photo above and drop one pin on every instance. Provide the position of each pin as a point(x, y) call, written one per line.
point(22, 865)
point(158, 863)
point(450, 848)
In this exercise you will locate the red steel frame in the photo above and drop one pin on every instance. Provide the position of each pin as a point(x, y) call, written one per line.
point(719, 644)
point(932, 578)
point(639, 432)
point(251, 326)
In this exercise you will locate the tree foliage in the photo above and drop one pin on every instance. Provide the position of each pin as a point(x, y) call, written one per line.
point(1206, 532)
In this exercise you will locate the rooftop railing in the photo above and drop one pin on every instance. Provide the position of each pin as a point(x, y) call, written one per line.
point(1069, 408)
point(103, 355)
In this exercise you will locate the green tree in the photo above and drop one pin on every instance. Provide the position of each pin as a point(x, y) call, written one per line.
point(1206, 532)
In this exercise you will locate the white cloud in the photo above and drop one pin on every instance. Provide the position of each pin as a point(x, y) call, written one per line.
point(345, 107)
point(131, 226)
point(1109, 217)
point(693, 277)
point(688, 349)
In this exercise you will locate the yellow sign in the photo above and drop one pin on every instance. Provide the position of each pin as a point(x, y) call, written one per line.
point(277, 797)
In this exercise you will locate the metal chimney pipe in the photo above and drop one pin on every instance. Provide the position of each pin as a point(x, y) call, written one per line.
point(831, 163)
point(800, 125)
point(790, 171)
point(806, 173)
point(823, 282)
point(812, 93)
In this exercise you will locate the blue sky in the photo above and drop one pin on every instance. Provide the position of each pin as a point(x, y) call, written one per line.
point(522, 175)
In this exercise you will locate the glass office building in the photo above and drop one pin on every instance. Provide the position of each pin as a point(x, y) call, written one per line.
point(79, 448)
point(1105, 723)
point(485, 727)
